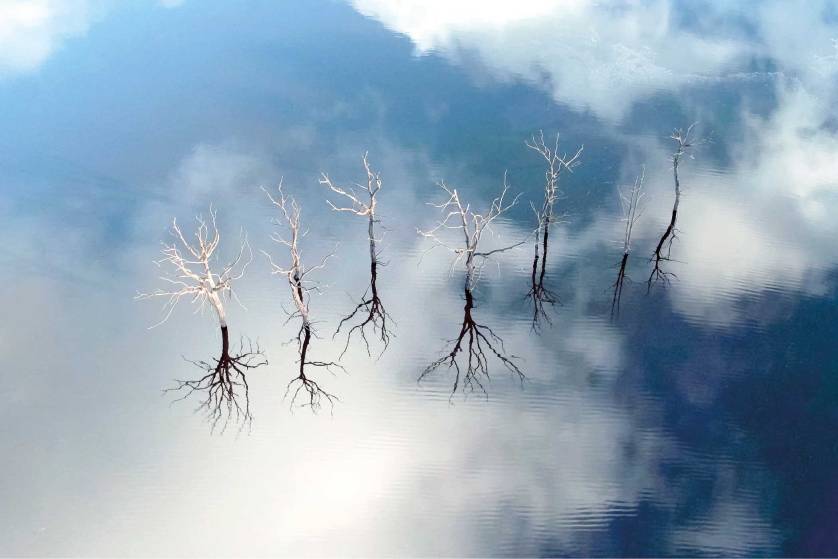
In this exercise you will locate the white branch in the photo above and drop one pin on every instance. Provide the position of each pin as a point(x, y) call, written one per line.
point(472, 226)
point(295, 272)
point(194, 276)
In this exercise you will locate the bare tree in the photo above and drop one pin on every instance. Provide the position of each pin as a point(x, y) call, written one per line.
point(478, 341)
point(226, 393)
point(301, 287)
point(685, 141)
point(371, 309)
point(545, 216)
point(630, 201)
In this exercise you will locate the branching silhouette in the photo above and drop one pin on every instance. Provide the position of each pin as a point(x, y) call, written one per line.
point(371, 309)
point(224, 387)
point(477, 342)
point(685, 142)
point(297, 275)
point(630, 201)
point(545, 216)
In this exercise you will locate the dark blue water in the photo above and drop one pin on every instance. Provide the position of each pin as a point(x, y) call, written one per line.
point(698, 418)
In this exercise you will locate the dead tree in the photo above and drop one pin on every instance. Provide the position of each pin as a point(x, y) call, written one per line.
point(630, 201)
point(224, 388)
point(301, 287)
point(476, 341)
point(685, 142)
point(545, 216)
point(371, 309)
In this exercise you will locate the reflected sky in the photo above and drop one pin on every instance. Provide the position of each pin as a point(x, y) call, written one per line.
point(700, 422)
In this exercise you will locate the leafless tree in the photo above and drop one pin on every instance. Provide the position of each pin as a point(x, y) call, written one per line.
point(630, 201)
point(224, 387)
point(301, 287)
point(371, 309)
point(685, 141)
point(477, 341)
point(545, 216)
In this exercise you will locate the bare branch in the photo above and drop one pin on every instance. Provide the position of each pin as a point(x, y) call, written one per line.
point(190, 274)
point(545, 216)
point(477, 343)
point(295, 273)
point(685, 141)
point(630, 202)
point(472, 226)
point(371, 308)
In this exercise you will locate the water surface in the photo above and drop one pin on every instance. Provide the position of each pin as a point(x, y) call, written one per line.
point(700, 420)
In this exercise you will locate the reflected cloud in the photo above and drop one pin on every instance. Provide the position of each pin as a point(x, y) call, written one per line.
point(604, 57)
point(597, 56)
point(570, 464)
point(32, 30)
point(767, 225)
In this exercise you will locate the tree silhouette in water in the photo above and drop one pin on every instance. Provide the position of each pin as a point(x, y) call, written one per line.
point(224, 390)
point(370, 310)
point(539, 294)
point(303, 385)
point(475, 343)
point(630, 201)
point(663, 249)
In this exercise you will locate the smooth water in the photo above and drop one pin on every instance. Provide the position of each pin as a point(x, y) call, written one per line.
point(699, 419)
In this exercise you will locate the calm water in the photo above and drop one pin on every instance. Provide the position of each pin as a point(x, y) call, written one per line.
point(700, 420)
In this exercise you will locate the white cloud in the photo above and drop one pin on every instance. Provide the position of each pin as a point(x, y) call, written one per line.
point(220, 170)
point(32, 30)
point(604, 56)
point(595, 56)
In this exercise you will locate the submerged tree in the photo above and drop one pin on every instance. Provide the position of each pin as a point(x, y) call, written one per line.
point(630, 202)
point(371, 310)
point(477, 342)
point(301, 287)
point(685, 142)
point(224, 388)
point(545, 216)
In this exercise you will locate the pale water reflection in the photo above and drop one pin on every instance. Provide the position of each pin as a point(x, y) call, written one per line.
point(700, 420)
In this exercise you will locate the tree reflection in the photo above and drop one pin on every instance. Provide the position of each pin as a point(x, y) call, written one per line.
point(685, 142)
point(370, 310)
point(303, 385)
point(539, 294)
point(475, 342)
point(630, 202)
point(224, 388)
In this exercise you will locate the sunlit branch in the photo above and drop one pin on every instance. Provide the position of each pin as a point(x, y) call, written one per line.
point(685, 141)
point(190, 274)
point(475, 342)
point(545, 216)
point(370, 308)
point(296, 273)
point(459, 216)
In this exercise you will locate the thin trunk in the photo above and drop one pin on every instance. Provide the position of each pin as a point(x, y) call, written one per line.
point(225, 342)
point(304, 349)
point(618, 286)
point(544, 254)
